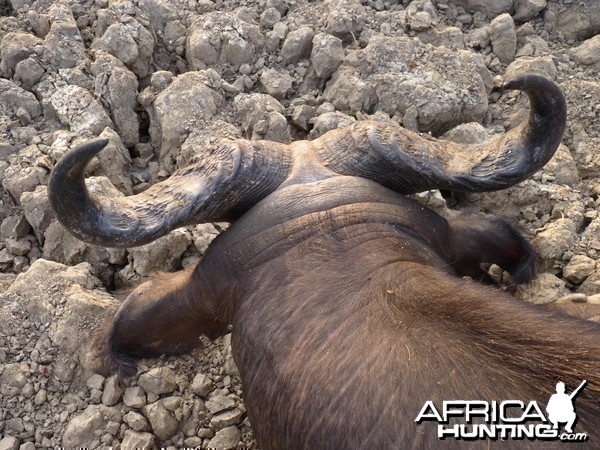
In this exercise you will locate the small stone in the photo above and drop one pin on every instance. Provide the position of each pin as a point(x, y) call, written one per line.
point(270, 17)
point(219, 402)
point(40, 397)
point(578, 269)
point(136, 421)
point(201, 385)
point(9, 443)
point(193, 442)
point(134, 440)
point(27, 446)
point(14, 227)
point(297, 45)
point(226, 418)
point(527, 9)
point(545, 288)
point(503, 37)
point(112, 391)
point(227, 438)
point(134, 397)
point(171, 403)
point(421, 21)
point(163, 424)
point(588, 52)
point(327, 54)
point(275, 83)
point(96, 381)
point(158, 380)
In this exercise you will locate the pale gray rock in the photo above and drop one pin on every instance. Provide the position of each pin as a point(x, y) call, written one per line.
point(18, 247)
point(527, 65)
point(591, 286)
point(38, 213)
point(13, 97)
point(79, 110)
point(122, 98)
point(9, 443)
point(134, 397)
point(182, 106)
point(467, 133)
point(201, 384)
point(503, 37)
point(219, 402)
point(588, 53)
point(96, 381)
point(490, 8)
point(15, 375)
point(81, 429)
point(262, 117)
point(112, 391)
point(16, 47)
point(22, 178)
point(329, 121)
point(275, 83)
point(527, 9)
point(393, 74)
point(327, 54)
point(269, 17)
point(227, 438)
point(301, 116)
point(163, 254)
point(222, 37)
point(577, 20)
point(136, 421)
point(545, 288)
point(226, 418)
point(164, 425)
point(15, 226)
point(345, 19)
point(297, 45)
point(63, 45)
point(130, 42)
point(158, 380)
point(558, 237)
point(161, 13)
point(134, 440)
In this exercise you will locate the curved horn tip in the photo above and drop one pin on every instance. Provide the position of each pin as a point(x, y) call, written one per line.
point(525, 82)
point(92, 146)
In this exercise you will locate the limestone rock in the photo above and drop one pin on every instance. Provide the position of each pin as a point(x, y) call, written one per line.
point(297, 45)
point(79, 110)
point(503, 37)
point(158, 380)
point(327, 54)
point(134, 440)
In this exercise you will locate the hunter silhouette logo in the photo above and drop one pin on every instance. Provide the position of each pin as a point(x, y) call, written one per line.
point(560, 407)
point(509, 419)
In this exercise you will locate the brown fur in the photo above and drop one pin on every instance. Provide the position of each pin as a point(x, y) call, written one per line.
point(347, 319)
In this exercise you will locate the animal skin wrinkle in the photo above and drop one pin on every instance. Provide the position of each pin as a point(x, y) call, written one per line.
point(290, 233)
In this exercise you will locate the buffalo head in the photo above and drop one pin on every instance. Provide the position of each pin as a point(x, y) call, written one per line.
point(347, 310)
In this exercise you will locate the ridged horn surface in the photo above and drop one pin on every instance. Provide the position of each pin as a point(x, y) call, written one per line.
point(409, 162)
point(219, 185)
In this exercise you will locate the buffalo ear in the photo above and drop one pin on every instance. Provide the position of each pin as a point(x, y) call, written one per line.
point(163, 316)
point(478, 239)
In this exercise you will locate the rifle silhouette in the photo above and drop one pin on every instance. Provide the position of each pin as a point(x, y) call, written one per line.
point(576, 391)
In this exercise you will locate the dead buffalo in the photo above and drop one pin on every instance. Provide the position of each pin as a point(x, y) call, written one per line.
point(348, 307)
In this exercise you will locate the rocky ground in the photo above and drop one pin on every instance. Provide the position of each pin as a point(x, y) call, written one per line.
point(161, 79)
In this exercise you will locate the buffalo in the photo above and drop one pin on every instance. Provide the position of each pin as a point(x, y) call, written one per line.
point(348, 300)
